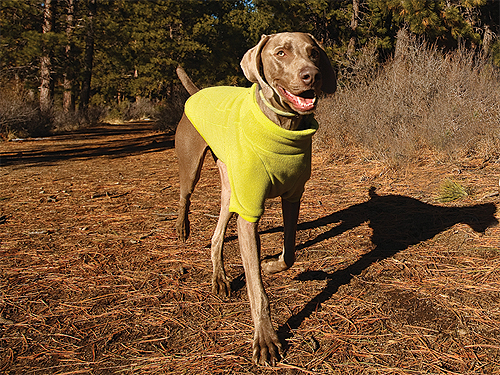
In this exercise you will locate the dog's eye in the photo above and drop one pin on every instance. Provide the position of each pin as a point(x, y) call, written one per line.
point(281, 53)
point(314, 54)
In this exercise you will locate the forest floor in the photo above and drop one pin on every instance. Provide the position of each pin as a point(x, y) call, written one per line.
point(387, 279)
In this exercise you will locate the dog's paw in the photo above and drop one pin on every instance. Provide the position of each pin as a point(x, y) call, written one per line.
point(221, 285)
point(266, 346)
point(273, 265)
point(182, 228)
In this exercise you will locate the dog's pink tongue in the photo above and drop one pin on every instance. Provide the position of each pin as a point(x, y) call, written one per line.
point(300, 103)
point(303, 104)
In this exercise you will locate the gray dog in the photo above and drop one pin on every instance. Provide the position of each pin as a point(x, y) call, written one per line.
point(261, 138)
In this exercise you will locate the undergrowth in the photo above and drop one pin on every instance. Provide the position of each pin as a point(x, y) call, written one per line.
point(420, 101)
point(165, 113)
point(20, 115)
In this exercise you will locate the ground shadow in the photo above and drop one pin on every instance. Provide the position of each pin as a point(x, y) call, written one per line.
point(94, 142)
point(397, 222)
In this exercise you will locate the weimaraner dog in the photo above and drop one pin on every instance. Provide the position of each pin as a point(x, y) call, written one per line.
point(261, 138)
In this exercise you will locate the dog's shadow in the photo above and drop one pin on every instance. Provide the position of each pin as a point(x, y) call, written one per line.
point(397, 222)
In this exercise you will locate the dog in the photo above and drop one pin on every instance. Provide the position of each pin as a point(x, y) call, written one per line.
point(261, 140)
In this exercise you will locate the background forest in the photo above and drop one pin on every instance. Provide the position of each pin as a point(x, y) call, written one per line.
point(67, 63)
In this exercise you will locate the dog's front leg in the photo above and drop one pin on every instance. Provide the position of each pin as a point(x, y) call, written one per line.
point(287, 257)
point(266, 345)
point(220, 283)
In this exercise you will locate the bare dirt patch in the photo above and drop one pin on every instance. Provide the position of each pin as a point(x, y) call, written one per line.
point(93, 280)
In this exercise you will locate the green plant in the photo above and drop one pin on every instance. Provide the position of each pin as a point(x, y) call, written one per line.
point(451, 191)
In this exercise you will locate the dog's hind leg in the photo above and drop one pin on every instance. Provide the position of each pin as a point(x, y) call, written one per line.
point(220, 283)
point(191, 149)
point(287, 257)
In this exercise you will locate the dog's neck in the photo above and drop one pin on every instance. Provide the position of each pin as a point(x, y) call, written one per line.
point(275, 112)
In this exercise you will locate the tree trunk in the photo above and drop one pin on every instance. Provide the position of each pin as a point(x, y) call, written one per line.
point(46, 84)
point(68, 76)
point(354, 25)
point(89, 57)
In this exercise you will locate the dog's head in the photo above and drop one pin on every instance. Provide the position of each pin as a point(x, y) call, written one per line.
point(292, 67)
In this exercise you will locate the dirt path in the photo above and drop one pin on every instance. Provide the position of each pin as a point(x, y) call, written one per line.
point(93, 280)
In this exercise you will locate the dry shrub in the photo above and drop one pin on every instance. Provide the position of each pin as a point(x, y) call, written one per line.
point(170, 110)
point(74, 120)
point(165, 113)
point(142, 108)
point(358, 67)
point(20, 115)
point(127, 110)
point(422, 99)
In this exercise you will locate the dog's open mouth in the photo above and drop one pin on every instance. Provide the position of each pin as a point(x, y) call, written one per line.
point(303, 102)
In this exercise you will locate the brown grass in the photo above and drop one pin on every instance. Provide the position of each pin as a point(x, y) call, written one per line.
point(93, 281)
point(420, 101)
point(20, 115)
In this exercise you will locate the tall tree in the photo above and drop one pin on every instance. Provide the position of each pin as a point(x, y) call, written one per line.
point(89, 56)
point(46, 81)
point(354, 26)
point(68, 75)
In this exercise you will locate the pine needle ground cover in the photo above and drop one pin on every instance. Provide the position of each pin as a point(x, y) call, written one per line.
point(388, 279)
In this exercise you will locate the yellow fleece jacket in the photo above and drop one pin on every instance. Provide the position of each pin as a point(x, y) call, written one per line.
point(263, 160)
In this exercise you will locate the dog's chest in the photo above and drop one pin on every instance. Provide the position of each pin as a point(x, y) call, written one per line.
point(263, 160)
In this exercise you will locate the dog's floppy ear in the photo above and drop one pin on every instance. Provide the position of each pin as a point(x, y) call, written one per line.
point(251, 65)
point(328, 74)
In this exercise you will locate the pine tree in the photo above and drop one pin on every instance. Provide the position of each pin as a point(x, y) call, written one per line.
point(46, 79)
point(68, 75)
point(445, 22)
point(89, 56)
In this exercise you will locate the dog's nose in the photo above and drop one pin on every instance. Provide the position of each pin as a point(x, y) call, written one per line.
point(309, 76)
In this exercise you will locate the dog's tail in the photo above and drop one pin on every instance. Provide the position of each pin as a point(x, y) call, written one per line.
point(186, 81)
